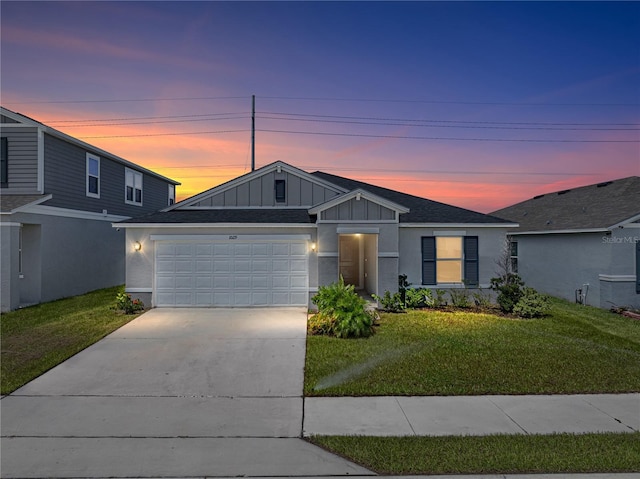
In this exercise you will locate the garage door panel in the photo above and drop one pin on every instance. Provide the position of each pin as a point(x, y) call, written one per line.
point(231, 274)
point(259, 282)
point(298, 281)
point(221, 266)
point(184, 266)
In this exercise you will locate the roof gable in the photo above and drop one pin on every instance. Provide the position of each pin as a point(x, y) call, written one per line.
point(358, 205)
point(598, 206)
point(256, 190)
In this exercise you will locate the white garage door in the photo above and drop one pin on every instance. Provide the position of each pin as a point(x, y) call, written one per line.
point(231, 273)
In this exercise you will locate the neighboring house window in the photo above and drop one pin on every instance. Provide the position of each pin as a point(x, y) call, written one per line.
point(4, 161)
point(133, 187)
point(450, 259)
point(513, 254)
point(172, 194)
point(280, 191)
point(93, 176)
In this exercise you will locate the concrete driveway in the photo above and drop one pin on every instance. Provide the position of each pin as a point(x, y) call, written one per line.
point(174, 393)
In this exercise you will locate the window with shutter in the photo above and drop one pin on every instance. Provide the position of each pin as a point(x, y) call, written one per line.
point(428, 260)
point(450, 259)
point(471, 273)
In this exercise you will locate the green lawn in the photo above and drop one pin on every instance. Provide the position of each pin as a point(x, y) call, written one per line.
point(35, 339)
point(576, 349)
point(499, 454)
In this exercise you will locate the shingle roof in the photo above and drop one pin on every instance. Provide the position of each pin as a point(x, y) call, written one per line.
point(8, 203)
point(289, 216)
point(421, 210)
point(595, 206)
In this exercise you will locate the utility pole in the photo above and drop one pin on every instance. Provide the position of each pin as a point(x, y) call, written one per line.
point(253, 132)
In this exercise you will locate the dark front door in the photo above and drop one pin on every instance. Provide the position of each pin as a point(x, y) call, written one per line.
point(350, 259)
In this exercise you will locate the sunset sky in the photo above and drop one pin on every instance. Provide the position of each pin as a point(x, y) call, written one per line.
point(475, 104)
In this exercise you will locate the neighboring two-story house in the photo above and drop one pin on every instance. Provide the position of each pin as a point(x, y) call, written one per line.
point(58, 198)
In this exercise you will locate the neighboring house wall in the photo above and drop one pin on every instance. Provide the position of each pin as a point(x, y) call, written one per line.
point(491, 242)
point(618, 282)
point(65, 175)
point(61, 257)
point(261, 192)
point(558, 264)
point(9, 289)
point(22, 146)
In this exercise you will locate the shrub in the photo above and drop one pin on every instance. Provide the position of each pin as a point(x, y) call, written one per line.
point(339, 304)
point(128, 305)
point(322, 325)
point(419, 298)
point(531, 304)
point(459, 298)
point(390, 302)
point(403, 284)
point(439, 300)
point(509, 288)
point(482, 299)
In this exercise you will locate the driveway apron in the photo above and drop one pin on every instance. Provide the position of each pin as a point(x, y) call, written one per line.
point(174, 393)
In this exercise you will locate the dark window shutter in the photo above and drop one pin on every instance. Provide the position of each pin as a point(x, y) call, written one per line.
point(471, 274)
point(4, 160)
point(428, 260)
point(638, 267)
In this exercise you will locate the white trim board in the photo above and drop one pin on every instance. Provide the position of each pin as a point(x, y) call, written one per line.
point(459, 225)
point(231, 238)
point(213, 225)
point(618, 278)
point(85, 215)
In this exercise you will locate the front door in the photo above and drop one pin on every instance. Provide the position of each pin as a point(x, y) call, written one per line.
point(350, 259)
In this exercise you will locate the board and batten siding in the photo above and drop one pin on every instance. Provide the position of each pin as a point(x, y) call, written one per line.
point(22, 152)
point(65, 178)
point(261, 192)
point(358, 210)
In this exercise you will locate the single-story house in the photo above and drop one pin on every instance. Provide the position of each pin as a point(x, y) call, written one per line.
point(582, 243)
point(58, 198)
point(273, 236)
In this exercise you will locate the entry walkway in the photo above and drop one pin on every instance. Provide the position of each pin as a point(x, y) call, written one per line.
point(471, 415)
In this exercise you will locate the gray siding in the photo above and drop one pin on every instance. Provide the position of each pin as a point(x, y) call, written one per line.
point(358, 210)
point(261, 192)
point(65, 178)
point(22, 145)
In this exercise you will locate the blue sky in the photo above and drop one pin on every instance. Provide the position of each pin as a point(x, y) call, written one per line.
point(478, 104)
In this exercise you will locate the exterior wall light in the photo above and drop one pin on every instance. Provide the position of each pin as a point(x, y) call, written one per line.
point(137, 246)
point(313, 247)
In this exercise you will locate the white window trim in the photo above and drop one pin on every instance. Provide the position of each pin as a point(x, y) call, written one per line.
point(134, 173)
point(91, 157)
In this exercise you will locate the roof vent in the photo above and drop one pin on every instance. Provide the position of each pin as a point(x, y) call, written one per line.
point(548, 222)
point(563, 192)
point(536, 197)
point(602, 185)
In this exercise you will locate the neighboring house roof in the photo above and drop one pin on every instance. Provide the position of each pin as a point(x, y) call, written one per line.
point(421, 210)
point(594, 207)
point(230, 215)
point(11, 203)
point(23, 119)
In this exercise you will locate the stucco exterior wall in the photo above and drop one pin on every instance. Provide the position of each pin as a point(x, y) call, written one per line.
point(490, 244)
point(62, 257)
point(559, 264)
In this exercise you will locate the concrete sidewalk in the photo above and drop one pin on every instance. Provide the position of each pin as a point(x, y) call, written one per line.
point(471, 415)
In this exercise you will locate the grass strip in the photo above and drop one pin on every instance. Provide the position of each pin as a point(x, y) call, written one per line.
point(498, 454)
point(576, 349)
point(35, 339)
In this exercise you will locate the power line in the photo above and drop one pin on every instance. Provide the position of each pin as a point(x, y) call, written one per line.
point(162, 134)
point(443, 138)
point(146, 117)
point(445, 102)
point(446, 121)
point(415, 123)
point(154, 122)
point(129, 100)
